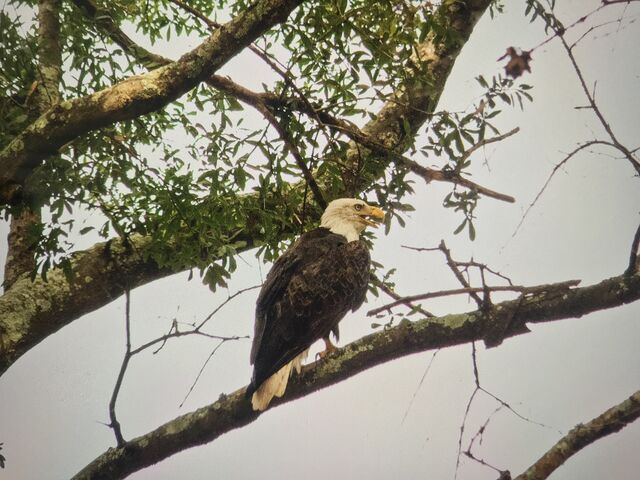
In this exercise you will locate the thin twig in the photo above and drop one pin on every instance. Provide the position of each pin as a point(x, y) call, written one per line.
point(454, 268)
point(293, 149)
point(429, 174)
point(515, 412)
point(229, 298)
point(483, 266)
point(114, 424)
point(487, 141)
point(503, 473)
point(611, 421)
point(193, 385)
point(462, 427)
point(415, 393)
point(389, 291)
point(177, 334)
point(483, 428)
point(570, 155)
point(461, 291)
point(596, 110)
point(421, 249)
point(174, 327)
point(476, 376)
point(613, 2)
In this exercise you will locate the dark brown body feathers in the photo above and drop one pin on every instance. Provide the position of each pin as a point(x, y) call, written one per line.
point(309, 289)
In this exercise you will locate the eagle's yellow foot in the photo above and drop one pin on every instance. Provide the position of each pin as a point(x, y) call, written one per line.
point(329, 348)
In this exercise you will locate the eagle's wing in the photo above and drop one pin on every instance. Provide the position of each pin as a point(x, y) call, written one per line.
point(274, 287)
point(307, 292)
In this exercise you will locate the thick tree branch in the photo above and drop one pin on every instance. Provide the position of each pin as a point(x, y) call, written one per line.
point(20, 256)
point(134, 96)
point(23, 323)
point(32, 310)
point(233, 411)
point(582, 435)
point(266, 102)
point(20, 252)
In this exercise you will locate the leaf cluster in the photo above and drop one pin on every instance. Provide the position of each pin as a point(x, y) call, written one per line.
point(201, 178)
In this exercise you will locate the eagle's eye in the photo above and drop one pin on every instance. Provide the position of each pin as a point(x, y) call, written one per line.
point(358, 207)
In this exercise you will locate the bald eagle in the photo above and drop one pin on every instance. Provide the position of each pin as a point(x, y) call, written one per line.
point(309, 289)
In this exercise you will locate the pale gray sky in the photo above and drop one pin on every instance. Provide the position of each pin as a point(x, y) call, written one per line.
point(53, 399)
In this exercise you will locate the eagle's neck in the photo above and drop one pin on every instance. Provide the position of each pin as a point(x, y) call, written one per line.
point(341, 227)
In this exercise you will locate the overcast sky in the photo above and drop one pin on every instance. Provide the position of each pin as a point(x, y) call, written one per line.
point(54, 400)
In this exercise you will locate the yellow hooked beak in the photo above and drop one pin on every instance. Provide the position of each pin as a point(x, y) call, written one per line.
point(374, 212)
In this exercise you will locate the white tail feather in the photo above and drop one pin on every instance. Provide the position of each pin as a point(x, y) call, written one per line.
point(276, 384)
point(297, 362)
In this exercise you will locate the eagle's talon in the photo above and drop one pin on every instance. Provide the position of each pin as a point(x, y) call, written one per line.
point(329, 348)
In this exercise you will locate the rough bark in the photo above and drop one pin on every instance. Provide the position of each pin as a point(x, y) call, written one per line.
point(234, 411)
point(134, 96)
point(34, 309)
point(386, 128)
point(582, 435)
point(20, 256)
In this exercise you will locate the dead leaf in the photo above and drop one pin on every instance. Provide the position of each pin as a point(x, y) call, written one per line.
point(518, 62)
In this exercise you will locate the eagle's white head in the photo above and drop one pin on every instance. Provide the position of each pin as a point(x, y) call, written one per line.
point(349, 217)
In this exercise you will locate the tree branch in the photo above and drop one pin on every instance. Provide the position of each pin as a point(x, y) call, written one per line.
point(134, 96)
point(471, 290)
point(582, 435)
point(453, 266)
point(20, 252)
point(23, 324)
point(596, 110)
point(114, 423)
point(389, 291)
point(555, 169)
point(233, 411)
point(266, 102)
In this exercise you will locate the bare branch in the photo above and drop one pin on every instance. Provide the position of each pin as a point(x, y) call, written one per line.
point(429, 174)
point(454, 268)
point(114, 424)
point(461, 291)
point(415, 393)
point(483, 428)
point(462, 427)
point(193, 385)
point(504, 474)
point(558, 166)
point(487, 141)
point(611, 421)
point(389, 291)
point(596, 110)
point(228, 299)
point(177, 334)
point(233, 411)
